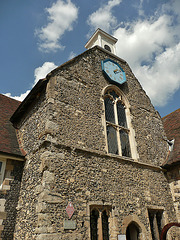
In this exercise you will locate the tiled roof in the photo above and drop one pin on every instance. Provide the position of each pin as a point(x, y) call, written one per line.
point(171, 124)
point(8, 139)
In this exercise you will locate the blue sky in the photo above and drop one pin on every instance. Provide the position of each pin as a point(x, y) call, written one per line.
point(36, 36)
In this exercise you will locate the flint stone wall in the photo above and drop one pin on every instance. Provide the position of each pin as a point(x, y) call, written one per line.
point(84, 178)
point(63, 136)
point(77, 93)
point(10, 198)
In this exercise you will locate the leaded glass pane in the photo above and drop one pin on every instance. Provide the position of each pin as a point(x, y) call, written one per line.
point(0, 166)
point(109, 110)
point(113, 93)
point(125, 147)
point(105, 226)
point(94, 224)
point(121, 115)
point(159, 218)
point(112, 139)
point(151, 220)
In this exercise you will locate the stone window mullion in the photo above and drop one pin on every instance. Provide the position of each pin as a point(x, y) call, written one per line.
point(100, 233)
point(117, 128)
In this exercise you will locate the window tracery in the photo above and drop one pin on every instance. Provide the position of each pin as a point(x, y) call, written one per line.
point(117, 130)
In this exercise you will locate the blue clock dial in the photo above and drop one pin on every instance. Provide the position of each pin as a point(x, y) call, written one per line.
point(113, 71)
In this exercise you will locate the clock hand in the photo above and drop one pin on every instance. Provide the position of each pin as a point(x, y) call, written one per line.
point(116, 71)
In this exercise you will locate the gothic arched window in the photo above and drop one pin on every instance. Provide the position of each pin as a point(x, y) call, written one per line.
point(116, 124)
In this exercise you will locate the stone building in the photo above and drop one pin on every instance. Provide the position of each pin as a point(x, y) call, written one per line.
point(172, 164)
point(11, 167)
point(94, 149)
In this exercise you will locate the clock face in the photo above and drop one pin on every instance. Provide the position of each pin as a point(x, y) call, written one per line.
point(113, 71)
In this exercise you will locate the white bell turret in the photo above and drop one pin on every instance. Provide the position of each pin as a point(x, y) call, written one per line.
point(103, 40)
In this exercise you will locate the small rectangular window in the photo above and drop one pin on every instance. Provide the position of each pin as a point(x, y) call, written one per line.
point(99, 222)
point(2, 170)
point(155, 220)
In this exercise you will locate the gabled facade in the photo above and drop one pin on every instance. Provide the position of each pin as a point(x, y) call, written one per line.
point(171, 124)
point(94, 152)
point(11, 167)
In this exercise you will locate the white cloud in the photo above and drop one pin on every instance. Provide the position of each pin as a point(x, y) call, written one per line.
point(19, 98)
point(61, 16)
point(150, 46)
point(103, 18)
point(42, 71)
point(174, 6)
point(39, 73)
point(72, 55)
point(140, 40)
point(162, 79)
point(152, 49)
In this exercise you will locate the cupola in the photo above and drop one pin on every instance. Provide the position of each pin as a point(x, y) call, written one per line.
point(103, 40)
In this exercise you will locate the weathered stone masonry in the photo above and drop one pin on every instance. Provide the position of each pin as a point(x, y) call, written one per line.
point(66, 160)
point(9, 195)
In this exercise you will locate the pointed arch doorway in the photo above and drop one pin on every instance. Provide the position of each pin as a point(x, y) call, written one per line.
point(133, 231)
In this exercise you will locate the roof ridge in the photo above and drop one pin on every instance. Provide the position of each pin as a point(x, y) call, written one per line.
point(10, 98)
point(171, 113)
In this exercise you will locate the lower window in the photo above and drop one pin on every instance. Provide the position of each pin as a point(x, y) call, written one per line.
point(2, 171)
point(99, 222)
point(155, 220)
